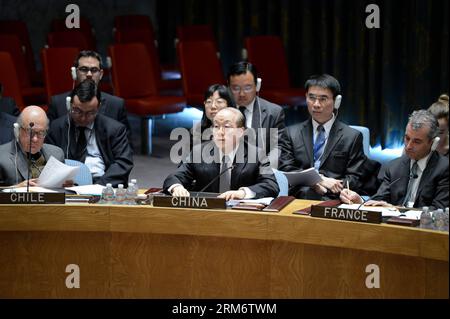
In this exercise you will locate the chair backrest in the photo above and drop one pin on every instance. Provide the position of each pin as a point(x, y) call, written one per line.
point(10, 80)
point(132, 21)
point(56, 63)
point(199, 32)
point(68, 39)
point(268, 55)
point(11, 43)
point(282, 182)
point(133, 73)
point(366, 138)
point(84, 176)
point(200, 67)
point(85, 28)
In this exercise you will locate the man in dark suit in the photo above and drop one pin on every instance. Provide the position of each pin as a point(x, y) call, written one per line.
point(93, 138)
point(6, 127)
point(16, 160)
point(420, 176)
point(242, 172)
point(323, 142)
point(266, 119)
point(88, 65)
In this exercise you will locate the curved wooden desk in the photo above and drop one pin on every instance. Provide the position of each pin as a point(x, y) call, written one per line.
point(146, 252)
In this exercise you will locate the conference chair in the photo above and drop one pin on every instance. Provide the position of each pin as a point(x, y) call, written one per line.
point(268, 55)
point(135, 77)
point(200, 67)
point(30, 94)
point(68, 39)
point(132, 21)
point(366, 138)
point(85, 28)
point(10, 80)
point(56, 63)
point(84, 176)
point(282, 182)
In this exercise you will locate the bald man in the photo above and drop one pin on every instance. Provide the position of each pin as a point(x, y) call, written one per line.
point(14, 156)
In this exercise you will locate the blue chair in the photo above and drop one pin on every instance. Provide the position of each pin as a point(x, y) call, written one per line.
point(84, 176)
point(282, 182)
point(366, 138)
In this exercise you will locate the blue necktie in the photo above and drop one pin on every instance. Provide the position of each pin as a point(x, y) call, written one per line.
point(318, 145)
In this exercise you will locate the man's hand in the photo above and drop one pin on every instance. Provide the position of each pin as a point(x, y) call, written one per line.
point(68, 183)
point(334, 185)
point(377, 203)
point(319, 189)
point(240, 194)
point(350, 197)
point(33, 182)
point(180, 191)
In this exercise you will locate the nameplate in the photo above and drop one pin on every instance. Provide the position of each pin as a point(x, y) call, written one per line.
point(189, 202)
point(356, 215)
point(33, 198)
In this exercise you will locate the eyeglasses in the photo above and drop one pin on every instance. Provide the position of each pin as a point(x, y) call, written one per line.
point(218, 102)
point(238, 89)
point(322, 98)
point(85, 69)
point(79, 113)
point(38, 134)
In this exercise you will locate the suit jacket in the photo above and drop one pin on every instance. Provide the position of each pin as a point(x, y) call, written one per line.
point(268, 115)
point(433, 186)
point(343, 156)
point(256, 176)
point(6, 127)
point(112, 141)
point(9, 173)
point(111, 106)
point(8, 105)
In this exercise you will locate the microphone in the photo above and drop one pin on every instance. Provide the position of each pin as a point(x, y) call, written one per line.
point(29, 157)
point(215, 179)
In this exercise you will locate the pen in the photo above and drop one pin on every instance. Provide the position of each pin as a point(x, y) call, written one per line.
point(348, 191)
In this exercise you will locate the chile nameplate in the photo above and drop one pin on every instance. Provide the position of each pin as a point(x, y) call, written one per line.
point(33, 198)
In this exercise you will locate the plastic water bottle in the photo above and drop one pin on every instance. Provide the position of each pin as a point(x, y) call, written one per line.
point(446, 219)
point(439, 220)
point(120, 194)
point(131, 194)
point(134, 181)
point(108, 194)
point(426, 222)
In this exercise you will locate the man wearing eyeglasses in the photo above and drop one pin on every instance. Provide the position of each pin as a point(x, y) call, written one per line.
point(14, 156)
point(264, 118)
point(88, 65)
point(324, 142)
point(93, 138)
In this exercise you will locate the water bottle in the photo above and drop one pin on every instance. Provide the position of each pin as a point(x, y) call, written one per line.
point(131, 194)
point(108, 194)
point(120, 194)
point(439, 221)
point(134, 181)
point(426, 222)
point(446, 219)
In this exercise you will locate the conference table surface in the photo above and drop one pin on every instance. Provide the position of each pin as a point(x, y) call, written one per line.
point(155, 252)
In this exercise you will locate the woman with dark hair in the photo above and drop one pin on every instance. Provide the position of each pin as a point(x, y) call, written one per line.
point(440, 110)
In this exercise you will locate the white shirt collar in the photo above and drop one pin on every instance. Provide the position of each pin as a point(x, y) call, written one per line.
point(327, 125)
point(422, 163)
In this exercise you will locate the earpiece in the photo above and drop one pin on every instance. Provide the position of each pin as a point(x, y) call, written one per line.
point(258, 84)
point(68, 100)
point(16, 131)
point(73, 73)
point(435, 143)
point(337, 102)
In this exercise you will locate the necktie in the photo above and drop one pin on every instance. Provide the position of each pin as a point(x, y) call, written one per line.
point(225, 178)
point(318, 144)
point(242, 109)
point(81, 149)
point(412, 178)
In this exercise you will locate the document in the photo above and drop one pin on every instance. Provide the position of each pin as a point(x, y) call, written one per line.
point(262, 201)
point(385, 211)
point(33, 189)
point(87, 189)
point(56, 173)
point(307, 177)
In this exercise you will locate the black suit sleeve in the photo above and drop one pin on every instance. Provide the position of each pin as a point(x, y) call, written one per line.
point(354, 171)
point(441, 197)
point(184, 175)
point(265, 185)
point(384, 191)
point(287, 160)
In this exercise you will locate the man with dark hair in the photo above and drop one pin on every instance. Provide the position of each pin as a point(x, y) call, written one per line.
point(266, 119)
point(244, 173)
point(323, 142)
point(88, 65)
point(420, 176)
point(93, 138)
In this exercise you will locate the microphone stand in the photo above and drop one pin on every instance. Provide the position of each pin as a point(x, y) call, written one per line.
point(29, 157)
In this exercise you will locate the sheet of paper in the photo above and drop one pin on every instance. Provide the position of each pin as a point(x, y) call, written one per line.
point(34, 189)
point(307, 177)
point(385, 211)
point(87, 189)
point(264, 201)
point(56, 173)
point(411, 214)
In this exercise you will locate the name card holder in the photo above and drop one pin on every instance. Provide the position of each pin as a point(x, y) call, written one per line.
point(33, 198)
point(189, 202)
point(356, 215)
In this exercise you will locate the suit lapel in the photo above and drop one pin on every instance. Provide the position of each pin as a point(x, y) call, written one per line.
point(306, 134)
point(333, 139)
point(22, 163)
point(238, 167)
point(426, 174)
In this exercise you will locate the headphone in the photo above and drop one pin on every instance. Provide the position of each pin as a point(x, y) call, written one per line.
point(258, 84)
point(68, 106)
point(435, 143)
point(337, 102)
point(73, 73)
point(16, 127)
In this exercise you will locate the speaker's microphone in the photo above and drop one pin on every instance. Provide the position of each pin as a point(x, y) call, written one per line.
point(215, 179)
point(29, 157)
